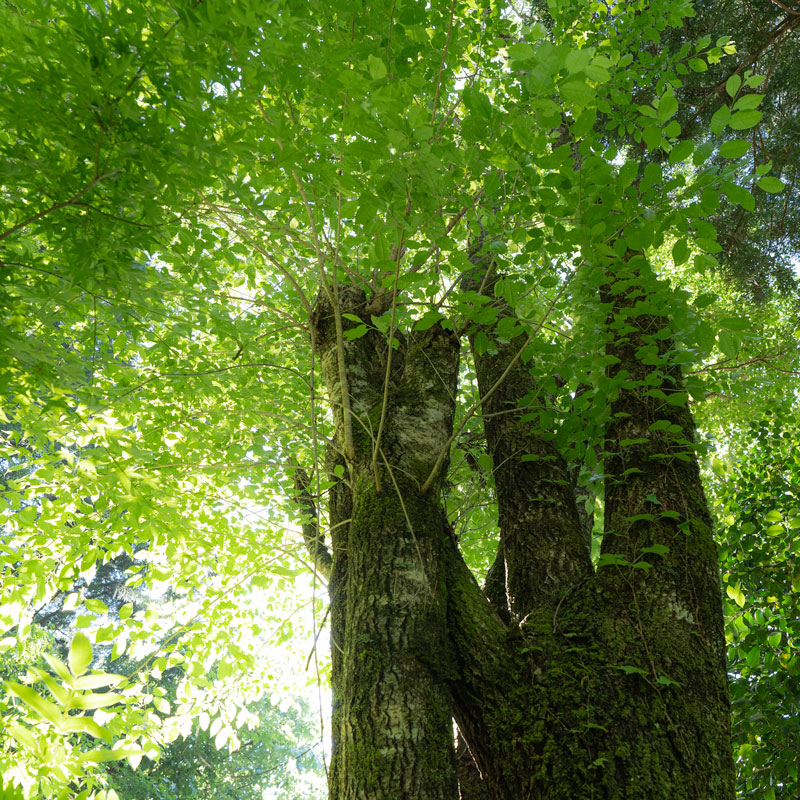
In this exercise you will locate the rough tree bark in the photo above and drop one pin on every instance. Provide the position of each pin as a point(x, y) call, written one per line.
point(565, 681)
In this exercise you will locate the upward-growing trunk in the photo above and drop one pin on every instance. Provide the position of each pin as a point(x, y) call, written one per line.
point(565, 682)
point(392, 664)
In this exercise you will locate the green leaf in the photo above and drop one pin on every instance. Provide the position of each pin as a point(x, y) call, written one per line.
point(720, 118)
point(576, 90)
point(612, 560)
point(771, 184)
point(477, 102)
point(732, 85)
point(428, 320)
point(598, 73)
point(60, 668)
point(680, 252)
point(681, 151)
point(80, 654)
point(521, 51)
point(629, 670)
point(735, 323)
point(355, 333)
point(97, 680)
point(739, 195)
point(667, 106)
point(735, 148)
point(708, 245)
point(736, 594)
point(584, 123)
point(44, 708)
point(706, 337)
point(657, 549)
point(754, 81)
point(627, 173)
point(96, 606)
point(728, 344)
point(677, 398)
point(84, 725)
point(93, 701)
point(577, 60)
point(105, 755)
point(377, 69)
point(652, 137)
point(742, 120)
point(748, 102)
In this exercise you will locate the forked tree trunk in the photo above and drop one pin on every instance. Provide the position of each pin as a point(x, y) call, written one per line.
point(571, 683)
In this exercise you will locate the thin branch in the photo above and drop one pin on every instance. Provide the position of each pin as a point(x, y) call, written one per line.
point(264, 252)
point(57, 206)
point(444, 58)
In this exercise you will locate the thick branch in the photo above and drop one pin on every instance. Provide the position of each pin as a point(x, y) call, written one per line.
point(545, 551)
point(653, 491)
point(312, 533)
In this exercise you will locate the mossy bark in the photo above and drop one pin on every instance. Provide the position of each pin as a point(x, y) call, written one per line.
point(565, 682)
point(392, 661)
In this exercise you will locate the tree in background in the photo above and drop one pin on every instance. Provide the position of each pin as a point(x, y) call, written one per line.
point(422, 268)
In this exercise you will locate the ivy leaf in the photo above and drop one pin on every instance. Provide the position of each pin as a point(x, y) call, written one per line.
point(629, 670)
point(656, 549)
point(355, 333)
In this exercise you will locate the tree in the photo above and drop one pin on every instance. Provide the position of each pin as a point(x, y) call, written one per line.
point(410, 264)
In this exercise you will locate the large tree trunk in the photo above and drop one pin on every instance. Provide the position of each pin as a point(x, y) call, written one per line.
point(392, 662)
point(565, 682)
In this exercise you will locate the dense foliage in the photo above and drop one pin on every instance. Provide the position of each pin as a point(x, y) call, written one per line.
point(178, 180)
